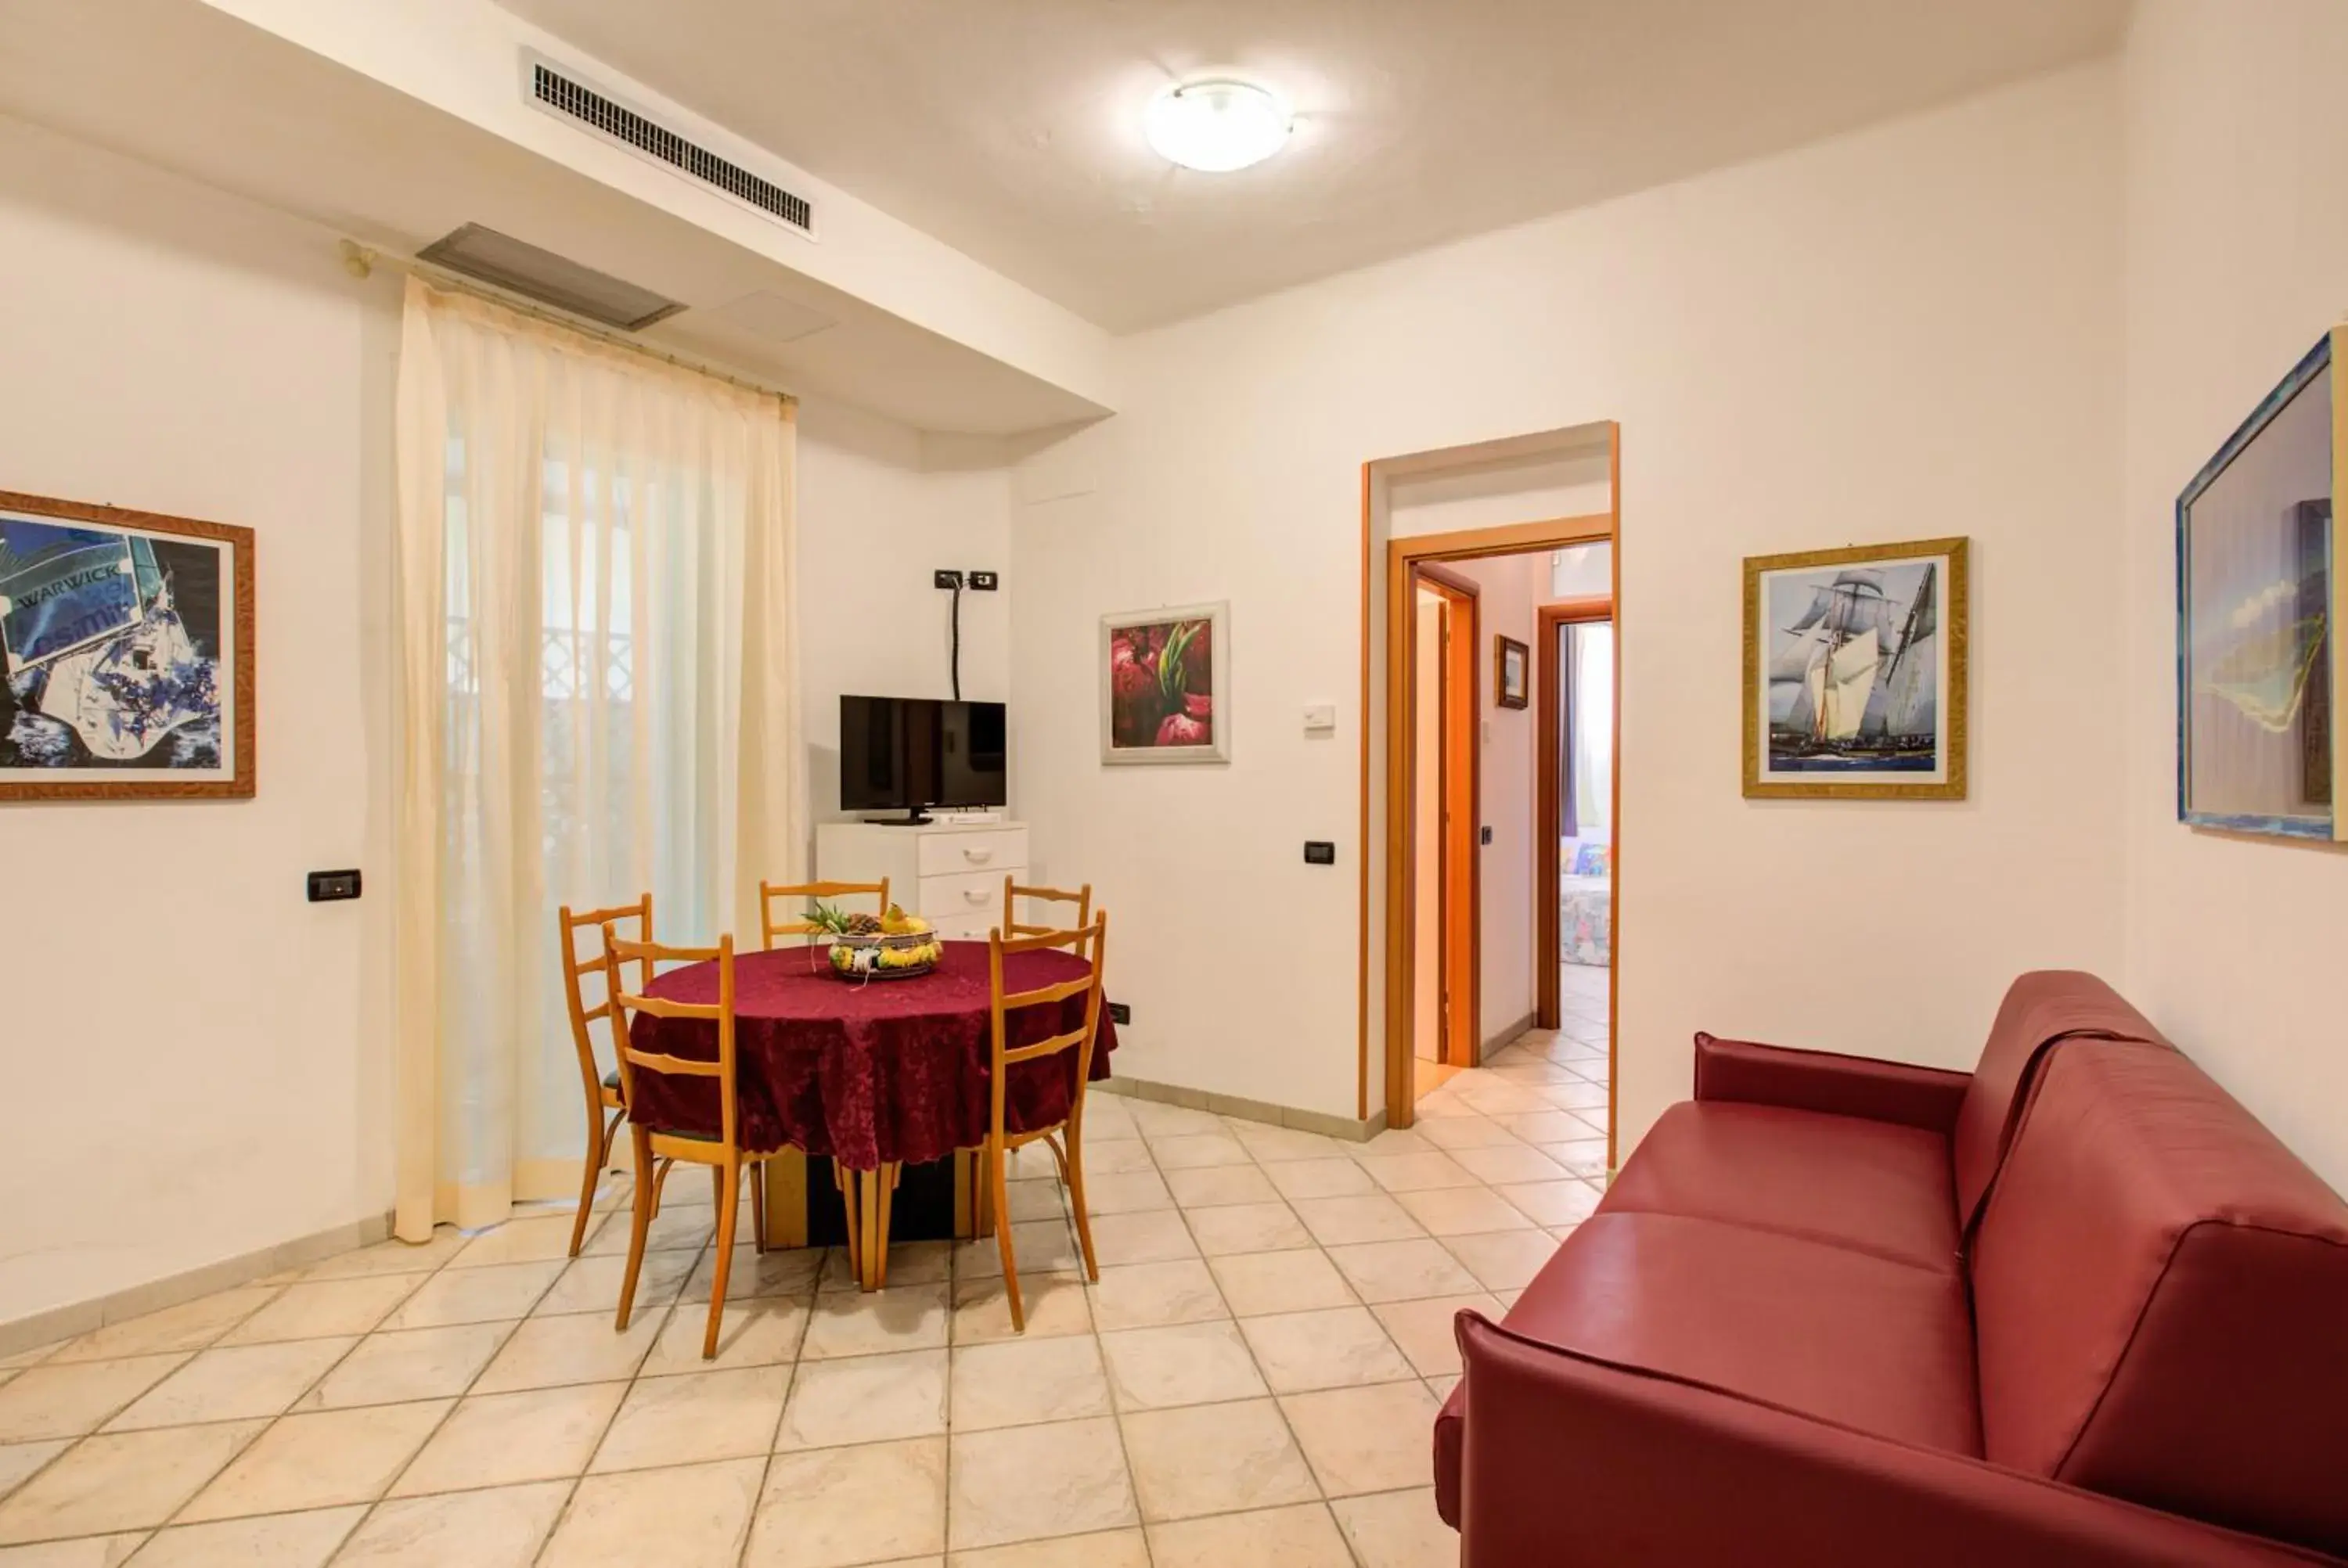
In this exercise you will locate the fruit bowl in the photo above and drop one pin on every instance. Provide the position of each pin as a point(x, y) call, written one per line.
point(882, 955)
point(894, 946)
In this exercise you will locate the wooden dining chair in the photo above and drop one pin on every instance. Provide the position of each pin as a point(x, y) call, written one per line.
point(658, 1149)
point(768, 892)
point(607, 1105)
point(1012, 893)
point(1065, 1138)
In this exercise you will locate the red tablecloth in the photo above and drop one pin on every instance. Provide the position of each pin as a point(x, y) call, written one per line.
point(867, 1072)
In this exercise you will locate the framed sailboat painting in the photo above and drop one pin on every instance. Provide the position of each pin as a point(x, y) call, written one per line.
point(1855, 672)
point(127, 648)
point(2258, 677)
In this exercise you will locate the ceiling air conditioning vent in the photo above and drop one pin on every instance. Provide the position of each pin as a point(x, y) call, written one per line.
point(555, 93)
point(522, 268)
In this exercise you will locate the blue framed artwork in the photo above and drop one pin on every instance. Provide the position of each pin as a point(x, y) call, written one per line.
point(2257, 678)
point(125, 654)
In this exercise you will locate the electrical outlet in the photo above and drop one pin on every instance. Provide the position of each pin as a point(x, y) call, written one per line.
point(942, 577)
point(1320, 852)
point(985, 581)
point(1119, 1013)
point(330, 886)
point(1486, 836)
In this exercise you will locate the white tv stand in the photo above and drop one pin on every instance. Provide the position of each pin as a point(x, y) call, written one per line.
point(950, 873)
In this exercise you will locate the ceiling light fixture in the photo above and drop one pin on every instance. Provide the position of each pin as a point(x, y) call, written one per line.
point(1217, 127)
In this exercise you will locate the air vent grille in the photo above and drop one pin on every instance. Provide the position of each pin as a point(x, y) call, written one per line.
point(574, 100)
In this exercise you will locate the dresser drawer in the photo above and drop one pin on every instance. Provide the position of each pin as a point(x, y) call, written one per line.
point(950, 854)
point(965, 927)
point(974, 895)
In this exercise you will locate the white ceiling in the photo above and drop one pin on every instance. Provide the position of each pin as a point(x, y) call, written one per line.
point(189, 87)
point(1011, 131)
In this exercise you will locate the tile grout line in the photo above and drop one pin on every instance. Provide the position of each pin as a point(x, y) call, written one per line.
point(1320, 1492)
point(369, 1506)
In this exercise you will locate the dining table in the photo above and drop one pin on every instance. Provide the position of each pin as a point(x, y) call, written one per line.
point(871, 1074)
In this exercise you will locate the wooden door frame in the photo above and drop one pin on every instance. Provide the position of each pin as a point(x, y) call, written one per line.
point(1461, 788)
point(1548, 694)
point(1405, 561)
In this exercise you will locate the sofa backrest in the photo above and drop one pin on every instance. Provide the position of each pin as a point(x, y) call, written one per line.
point(2160, 1298)
point(2041, 1010)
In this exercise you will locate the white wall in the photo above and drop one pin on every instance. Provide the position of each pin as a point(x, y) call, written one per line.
point(1512, 591)
point(2238, 260)
point(876, 520)
point(1906, 332)
point(197, 1058)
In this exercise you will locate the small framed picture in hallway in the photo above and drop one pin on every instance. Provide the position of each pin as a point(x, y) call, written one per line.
point(1855, 672)
point(1512, 673)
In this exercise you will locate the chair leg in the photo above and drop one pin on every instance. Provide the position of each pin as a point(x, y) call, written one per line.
point(845, 1179)
point(995, 1184)
point(758, 1205)
point(729, 1203)
point(869, 1244)
point(887, 1177)
point(602, 1151)
point(643, 1223)
point(1075, 1177)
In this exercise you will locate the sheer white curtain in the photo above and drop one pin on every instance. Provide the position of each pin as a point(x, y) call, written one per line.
point(595, 680)
point(1592, 758)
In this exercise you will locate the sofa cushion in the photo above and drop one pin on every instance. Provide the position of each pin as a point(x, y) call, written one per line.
point(2041, 1010)
point(2162, 1294)
point(1826, 1330)
point(1870, 1186)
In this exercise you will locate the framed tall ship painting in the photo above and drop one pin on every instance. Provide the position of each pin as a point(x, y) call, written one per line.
point(2259, 682)
point(126, 641)
point(1855, 672)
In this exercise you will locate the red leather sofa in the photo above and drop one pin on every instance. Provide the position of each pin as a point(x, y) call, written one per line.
point(2074, 1308)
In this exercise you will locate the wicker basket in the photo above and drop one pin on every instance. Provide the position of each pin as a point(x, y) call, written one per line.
point(857, 958)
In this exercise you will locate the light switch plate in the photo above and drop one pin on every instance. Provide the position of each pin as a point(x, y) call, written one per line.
point(1320, 718)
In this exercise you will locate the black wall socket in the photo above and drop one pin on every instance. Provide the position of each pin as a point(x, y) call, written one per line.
point(329, 886)
point(945, 578)
point(985, 581)
point(1320, 852)
point(1119, 1013)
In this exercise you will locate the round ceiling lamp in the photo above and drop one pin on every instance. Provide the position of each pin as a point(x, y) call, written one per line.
point(1217, 127)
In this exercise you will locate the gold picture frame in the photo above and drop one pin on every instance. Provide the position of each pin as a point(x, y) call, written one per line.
point(1855, 672)
point(157, 638)
point(1512, 672)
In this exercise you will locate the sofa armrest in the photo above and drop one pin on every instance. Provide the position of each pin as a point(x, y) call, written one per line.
point(1572, 1462)
point(1894, 1091)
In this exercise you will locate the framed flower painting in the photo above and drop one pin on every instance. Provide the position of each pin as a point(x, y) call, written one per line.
point(1165, 684)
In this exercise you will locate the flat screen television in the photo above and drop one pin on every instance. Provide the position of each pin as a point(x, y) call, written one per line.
point(909, 753)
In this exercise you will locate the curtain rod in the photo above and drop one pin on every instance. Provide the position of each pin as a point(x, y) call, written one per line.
point(361, 262)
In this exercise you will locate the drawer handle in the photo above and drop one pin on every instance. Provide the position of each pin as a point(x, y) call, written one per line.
point(977, 857)
point(974, 895)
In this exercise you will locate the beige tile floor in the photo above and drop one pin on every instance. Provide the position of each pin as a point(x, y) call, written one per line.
point(1250, 1382)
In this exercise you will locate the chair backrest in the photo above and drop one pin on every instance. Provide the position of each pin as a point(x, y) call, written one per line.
point(633, 1060)
point(807, 892)
point(1012, 893)
point(576, 968)
point(1089, 944)
point(2159, 1293)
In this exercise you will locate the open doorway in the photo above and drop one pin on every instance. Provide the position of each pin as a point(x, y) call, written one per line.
point(1575, 659)
point(1491, 643)
point(1445, 700)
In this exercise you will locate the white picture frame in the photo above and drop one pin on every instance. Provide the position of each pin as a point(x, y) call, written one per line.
point(1151, 716)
